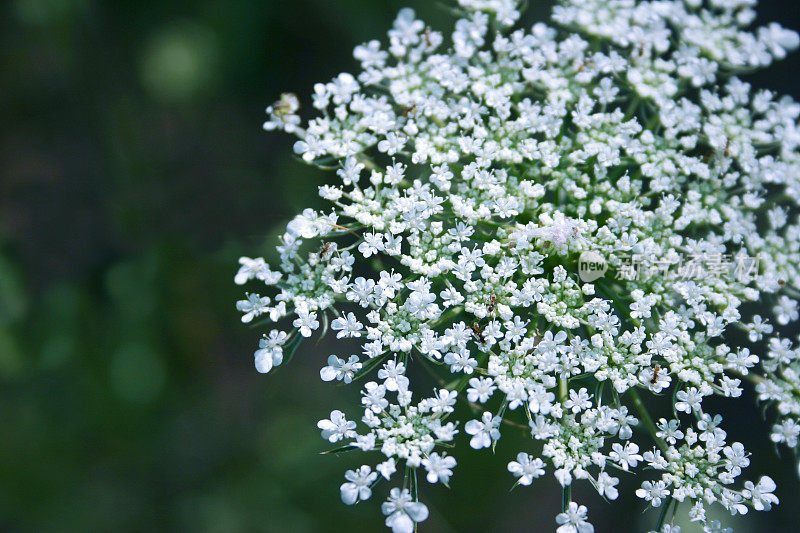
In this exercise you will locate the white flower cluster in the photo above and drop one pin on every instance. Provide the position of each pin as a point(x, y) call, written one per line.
point(473, 170)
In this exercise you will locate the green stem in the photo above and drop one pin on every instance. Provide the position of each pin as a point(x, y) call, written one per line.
point(646, 418)
point(751, 377)
point(566, 495)
point(664, 510)
point(631, 111)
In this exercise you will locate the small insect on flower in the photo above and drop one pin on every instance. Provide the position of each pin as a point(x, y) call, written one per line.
point(478, 332)
point(409, 110)
point(326, 250)
point(287, 105)
point(427, 37)
point(656, 370)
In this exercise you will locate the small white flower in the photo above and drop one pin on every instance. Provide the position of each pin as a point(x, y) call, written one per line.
point(627, 456)
point(439, 467)
point(607, 486)
point(443, 401)
point(761, 494)
point(392, 144)
point(337, 427)
point(252, 307)
point(786, 311)
point(340, 370)
point(484, 431)
point(306, 226)
point(373, 243)
point(387, 468)
point(402, 513)
point(358, 484)
point(655, 378)
point(526, 468)
point(480, 389)
point(373, 397)
point(270, 352)
point(393, 375)
point(669, 431)
point(255, 269)
point(306, 321)
point(787, 432)
point(574, 520)
point(653, 492)
point(348, 327)
point(688, 400)
point(735, 458)
point(578, 401)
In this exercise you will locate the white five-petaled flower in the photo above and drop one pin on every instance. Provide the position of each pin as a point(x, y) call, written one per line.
point(653, 492)
point(387, 468)
point(337, 427)
point(578, 400)
point(358, 486)
point(393, 375)
point(761, 494)
point(373, 243)
point(439, 467)
point(306, 321)
point(627, 456)
point(526, 468)
point(607, 486)
point(348, 326)
point(480, 389)
point(402, 513)
point(252, 307)
point(573, 520)
point(688, 400)
point(270, 352)
point(484, 431)
point(374, 397)
point(340, 369)
point(443, 401)
point(255, 269)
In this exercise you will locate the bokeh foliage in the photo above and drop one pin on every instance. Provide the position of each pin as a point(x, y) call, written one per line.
point(133, 173)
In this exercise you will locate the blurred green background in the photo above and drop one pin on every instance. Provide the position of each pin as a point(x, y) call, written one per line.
point(133, 174)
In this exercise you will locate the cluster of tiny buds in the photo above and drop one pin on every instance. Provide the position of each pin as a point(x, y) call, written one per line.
point(472, 171)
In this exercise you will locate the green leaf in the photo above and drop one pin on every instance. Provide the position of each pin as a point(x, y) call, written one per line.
point(368, 367)
point(340, 449)
point(291, 347)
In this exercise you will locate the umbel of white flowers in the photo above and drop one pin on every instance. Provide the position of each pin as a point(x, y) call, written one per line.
point(473, 170)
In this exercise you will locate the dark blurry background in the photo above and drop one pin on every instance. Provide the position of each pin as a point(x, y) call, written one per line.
point(133, 174)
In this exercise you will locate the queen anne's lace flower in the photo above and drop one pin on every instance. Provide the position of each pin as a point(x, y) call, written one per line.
point(573, 520)
point(475, 183)
point(402, 513)
point(526, 468)
point(358, 485)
